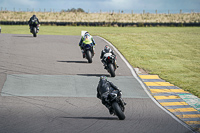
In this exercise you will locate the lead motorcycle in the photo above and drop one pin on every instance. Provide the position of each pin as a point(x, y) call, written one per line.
point(116, 103)
point(110, 63)
point(88, 50)
point(34, 27)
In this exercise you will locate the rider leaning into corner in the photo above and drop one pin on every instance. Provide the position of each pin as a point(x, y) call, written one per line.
point(107, 49)
point(86, 39)
point(33, 18)
point(103, 89)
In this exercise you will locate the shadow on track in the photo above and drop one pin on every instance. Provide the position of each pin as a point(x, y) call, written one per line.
point(96, 75)
point(73, 61)
point(24, 36)
point(93, 118)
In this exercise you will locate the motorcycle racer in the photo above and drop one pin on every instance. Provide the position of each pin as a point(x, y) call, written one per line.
point(33, 18)
point(86, 39)
point(103, 89)
point(107, 49)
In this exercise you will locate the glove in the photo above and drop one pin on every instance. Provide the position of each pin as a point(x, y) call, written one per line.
point(119, 93)
point(81, 48)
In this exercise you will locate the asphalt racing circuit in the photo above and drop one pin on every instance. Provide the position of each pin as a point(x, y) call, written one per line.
point(46, 86)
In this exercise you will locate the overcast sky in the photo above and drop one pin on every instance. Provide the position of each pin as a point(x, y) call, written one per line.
point(103, 5)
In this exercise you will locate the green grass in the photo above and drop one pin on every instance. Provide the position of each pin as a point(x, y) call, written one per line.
point(173, 53)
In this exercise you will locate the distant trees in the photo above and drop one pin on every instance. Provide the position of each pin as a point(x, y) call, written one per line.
point(73, 10)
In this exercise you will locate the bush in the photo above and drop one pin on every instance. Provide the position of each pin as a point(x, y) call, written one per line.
point(180, 25)
point(140, 24)
point(73, 10)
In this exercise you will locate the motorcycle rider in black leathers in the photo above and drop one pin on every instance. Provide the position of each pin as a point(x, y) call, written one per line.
point(33, 18)
point(103, 89)
point(107, 49)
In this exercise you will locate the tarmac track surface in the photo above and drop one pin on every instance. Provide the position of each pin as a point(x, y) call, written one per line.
point(46, 86)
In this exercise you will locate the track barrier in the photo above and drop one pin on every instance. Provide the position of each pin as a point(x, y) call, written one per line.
point(106, 24)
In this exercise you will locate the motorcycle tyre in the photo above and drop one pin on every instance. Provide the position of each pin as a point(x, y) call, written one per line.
point(34, 32)
point(111, 70)
point(89, 56)
point(118, 111)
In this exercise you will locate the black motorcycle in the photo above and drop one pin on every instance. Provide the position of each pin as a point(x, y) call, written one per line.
point(111, 66)
point(89, 52)
point(116, 103)
point(34, 28)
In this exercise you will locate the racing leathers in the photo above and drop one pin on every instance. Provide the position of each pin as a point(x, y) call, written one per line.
point(103, 52)
point(103, 89)
point(87, 39)
point(32, 20)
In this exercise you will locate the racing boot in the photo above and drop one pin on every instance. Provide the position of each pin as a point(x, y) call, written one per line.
point(104, 64)
point(83, 53)
point(109, 108)
point(123, 101)
point(116, 64)
point(111, 111)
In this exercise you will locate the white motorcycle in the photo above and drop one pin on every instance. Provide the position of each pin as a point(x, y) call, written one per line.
point(110, 63)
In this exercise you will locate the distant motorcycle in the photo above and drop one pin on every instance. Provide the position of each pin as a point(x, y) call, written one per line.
point(111, 66)
point(34, 28)
point(89, 52)
point(117, 104)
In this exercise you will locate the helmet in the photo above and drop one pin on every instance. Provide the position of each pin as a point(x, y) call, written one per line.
point(103, 78)
point(34, 17)
point(107, 49)
point(87, 36)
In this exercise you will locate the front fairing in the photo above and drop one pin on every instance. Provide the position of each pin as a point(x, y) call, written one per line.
point(113, 96)
point(88, 47)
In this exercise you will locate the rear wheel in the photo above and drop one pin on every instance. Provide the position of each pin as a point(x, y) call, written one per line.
point(118, 111)
point(89, 56)
point(111, 70)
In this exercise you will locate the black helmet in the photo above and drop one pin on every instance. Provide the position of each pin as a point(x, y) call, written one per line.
point(34, 16)
point(107, 49)
point(103, 78)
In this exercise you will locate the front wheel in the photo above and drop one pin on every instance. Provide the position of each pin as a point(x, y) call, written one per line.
point(34, 32)
point(111, 70)
point(89, 56)
point(118, 111)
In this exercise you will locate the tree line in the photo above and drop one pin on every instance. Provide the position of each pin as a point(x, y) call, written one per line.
point(73, 10)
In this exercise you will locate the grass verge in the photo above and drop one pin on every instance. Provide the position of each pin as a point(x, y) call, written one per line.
point(173, 53)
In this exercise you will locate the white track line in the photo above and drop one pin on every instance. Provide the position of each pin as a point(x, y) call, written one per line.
point(144, 87)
